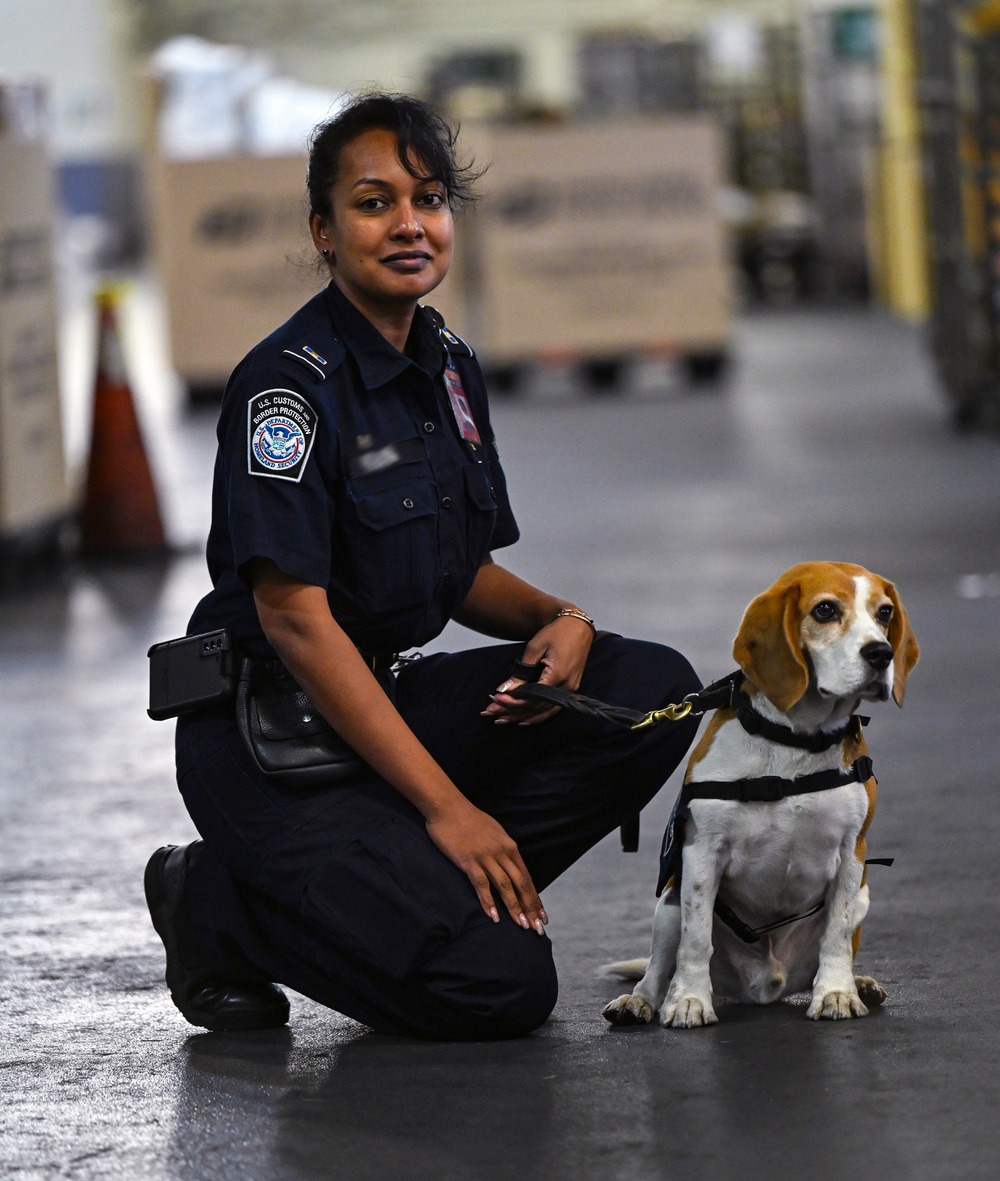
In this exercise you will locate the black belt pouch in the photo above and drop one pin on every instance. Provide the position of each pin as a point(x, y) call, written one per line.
point(286, 735)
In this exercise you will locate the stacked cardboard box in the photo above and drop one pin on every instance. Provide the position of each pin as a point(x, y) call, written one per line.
point(230, 240)
point(33, 486)
point(600, 239)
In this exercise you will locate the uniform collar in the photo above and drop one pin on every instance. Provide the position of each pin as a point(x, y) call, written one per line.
point(377, 360)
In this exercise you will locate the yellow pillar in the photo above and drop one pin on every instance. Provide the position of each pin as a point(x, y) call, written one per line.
point(903, 231)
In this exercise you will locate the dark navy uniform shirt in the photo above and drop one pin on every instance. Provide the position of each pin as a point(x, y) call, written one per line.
point(354, 467)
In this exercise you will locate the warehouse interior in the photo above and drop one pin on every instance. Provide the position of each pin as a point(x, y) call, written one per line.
point(735, 286)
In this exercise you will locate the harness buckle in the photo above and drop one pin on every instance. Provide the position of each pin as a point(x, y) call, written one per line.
point(768, 789)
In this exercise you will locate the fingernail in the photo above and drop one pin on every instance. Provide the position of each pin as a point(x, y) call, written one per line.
point(493, 914)
point(504, 687)
point(523, 920)
point(545, 918)
point(539, 926)
point(502, 722)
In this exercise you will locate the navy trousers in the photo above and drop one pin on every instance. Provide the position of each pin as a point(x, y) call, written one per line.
point(339, 893)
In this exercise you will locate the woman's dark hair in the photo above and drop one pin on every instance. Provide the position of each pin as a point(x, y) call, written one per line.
point(424, 137)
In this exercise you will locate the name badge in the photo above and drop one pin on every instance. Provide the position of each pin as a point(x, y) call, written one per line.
point(460, 408)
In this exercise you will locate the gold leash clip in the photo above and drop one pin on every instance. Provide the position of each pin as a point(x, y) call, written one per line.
point(670, 713)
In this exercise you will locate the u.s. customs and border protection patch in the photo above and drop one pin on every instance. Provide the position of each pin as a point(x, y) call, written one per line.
point(281, 430)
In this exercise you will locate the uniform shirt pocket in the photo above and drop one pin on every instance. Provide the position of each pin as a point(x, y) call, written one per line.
point(477, 483)
point(394, 544)
point(482, 512)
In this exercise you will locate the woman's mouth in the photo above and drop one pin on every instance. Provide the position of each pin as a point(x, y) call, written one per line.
point(406, 260)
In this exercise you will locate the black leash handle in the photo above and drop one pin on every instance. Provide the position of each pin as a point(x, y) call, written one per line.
point(714, 697)
point(578, 702)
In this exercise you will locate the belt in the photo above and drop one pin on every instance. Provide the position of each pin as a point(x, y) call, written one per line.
point(378, 662)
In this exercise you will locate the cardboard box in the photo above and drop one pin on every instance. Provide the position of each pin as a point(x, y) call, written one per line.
point(601, 239)
point(33, 486)
point(231, 240)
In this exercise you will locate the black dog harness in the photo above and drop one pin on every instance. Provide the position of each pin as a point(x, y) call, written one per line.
point(727, 693)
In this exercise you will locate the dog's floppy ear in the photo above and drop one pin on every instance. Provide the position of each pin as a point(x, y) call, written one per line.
point(905, 652)
point(767, 646)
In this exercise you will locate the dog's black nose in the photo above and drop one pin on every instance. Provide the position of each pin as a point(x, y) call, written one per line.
point(878, 654)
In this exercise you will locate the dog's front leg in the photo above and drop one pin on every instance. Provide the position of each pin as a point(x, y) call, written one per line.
point(689, 998)
point(835, 994)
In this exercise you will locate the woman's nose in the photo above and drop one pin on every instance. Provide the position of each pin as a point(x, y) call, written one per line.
point(408, 226)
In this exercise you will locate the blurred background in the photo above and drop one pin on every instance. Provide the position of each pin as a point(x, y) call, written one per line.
point(730, 157)
point(735, 281)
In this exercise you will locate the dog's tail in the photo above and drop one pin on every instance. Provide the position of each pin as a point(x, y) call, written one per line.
point(625, 969)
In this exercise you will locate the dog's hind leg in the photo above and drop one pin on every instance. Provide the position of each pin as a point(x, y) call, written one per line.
point(641, 1006)
point(872, 993)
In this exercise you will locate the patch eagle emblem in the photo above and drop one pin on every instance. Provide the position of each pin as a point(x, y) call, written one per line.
point(281, 428)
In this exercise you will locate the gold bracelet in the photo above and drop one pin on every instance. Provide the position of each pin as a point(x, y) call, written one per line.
point(575, 613)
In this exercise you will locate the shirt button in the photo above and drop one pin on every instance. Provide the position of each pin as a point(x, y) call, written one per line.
point(429, 428)
point(446, 502)
point(446, 577)
point(407, 503)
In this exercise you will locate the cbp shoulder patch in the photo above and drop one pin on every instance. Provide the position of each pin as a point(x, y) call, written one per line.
point(281, 430)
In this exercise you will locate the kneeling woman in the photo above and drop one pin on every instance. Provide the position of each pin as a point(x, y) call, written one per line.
point(358, 500)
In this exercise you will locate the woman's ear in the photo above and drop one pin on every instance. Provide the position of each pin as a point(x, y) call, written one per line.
point(319, 231)
point(905, 652)
point(767, 646)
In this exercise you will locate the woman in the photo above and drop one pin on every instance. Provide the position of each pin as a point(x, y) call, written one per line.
point(358, 498)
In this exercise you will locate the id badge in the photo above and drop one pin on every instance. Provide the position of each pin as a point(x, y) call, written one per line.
point(460, 407)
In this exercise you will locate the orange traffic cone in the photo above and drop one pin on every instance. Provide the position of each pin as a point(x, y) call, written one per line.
point(121, 514)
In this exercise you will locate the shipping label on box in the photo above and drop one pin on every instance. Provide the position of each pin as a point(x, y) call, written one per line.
point(601, 239)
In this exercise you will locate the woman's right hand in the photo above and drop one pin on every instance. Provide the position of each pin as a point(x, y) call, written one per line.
point(483, 851)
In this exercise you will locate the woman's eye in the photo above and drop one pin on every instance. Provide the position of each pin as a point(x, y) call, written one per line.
point(433, 200)
point(825, 612)
point(370, 204)
point(884, 615)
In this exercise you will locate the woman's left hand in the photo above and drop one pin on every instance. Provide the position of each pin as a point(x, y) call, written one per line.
point(562, 646)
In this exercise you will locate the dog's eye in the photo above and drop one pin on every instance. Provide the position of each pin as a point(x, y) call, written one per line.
point(825, 612)
point(884, 615)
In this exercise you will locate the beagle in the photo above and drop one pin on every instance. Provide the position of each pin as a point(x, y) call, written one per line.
point(764, 862)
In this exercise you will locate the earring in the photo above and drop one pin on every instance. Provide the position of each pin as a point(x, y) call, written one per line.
point(326, 253)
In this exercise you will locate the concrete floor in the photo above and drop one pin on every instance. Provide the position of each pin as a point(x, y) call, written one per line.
point(663, 513)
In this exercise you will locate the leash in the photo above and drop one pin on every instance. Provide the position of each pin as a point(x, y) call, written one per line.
point(719, 695)
point(726, 693)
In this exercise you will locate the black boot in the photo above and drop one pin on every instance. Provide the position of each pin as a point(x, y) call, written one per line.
point(203, 999)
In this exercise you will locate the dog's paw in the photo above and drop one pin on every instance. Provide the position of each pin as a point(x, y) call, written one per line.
point(871, 992)
point(689, 1012)
point(628, 1010)
point(836, 1006)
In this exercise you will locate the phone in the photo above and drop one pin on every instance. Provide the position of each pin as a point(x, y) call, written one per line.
point(192, 671)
